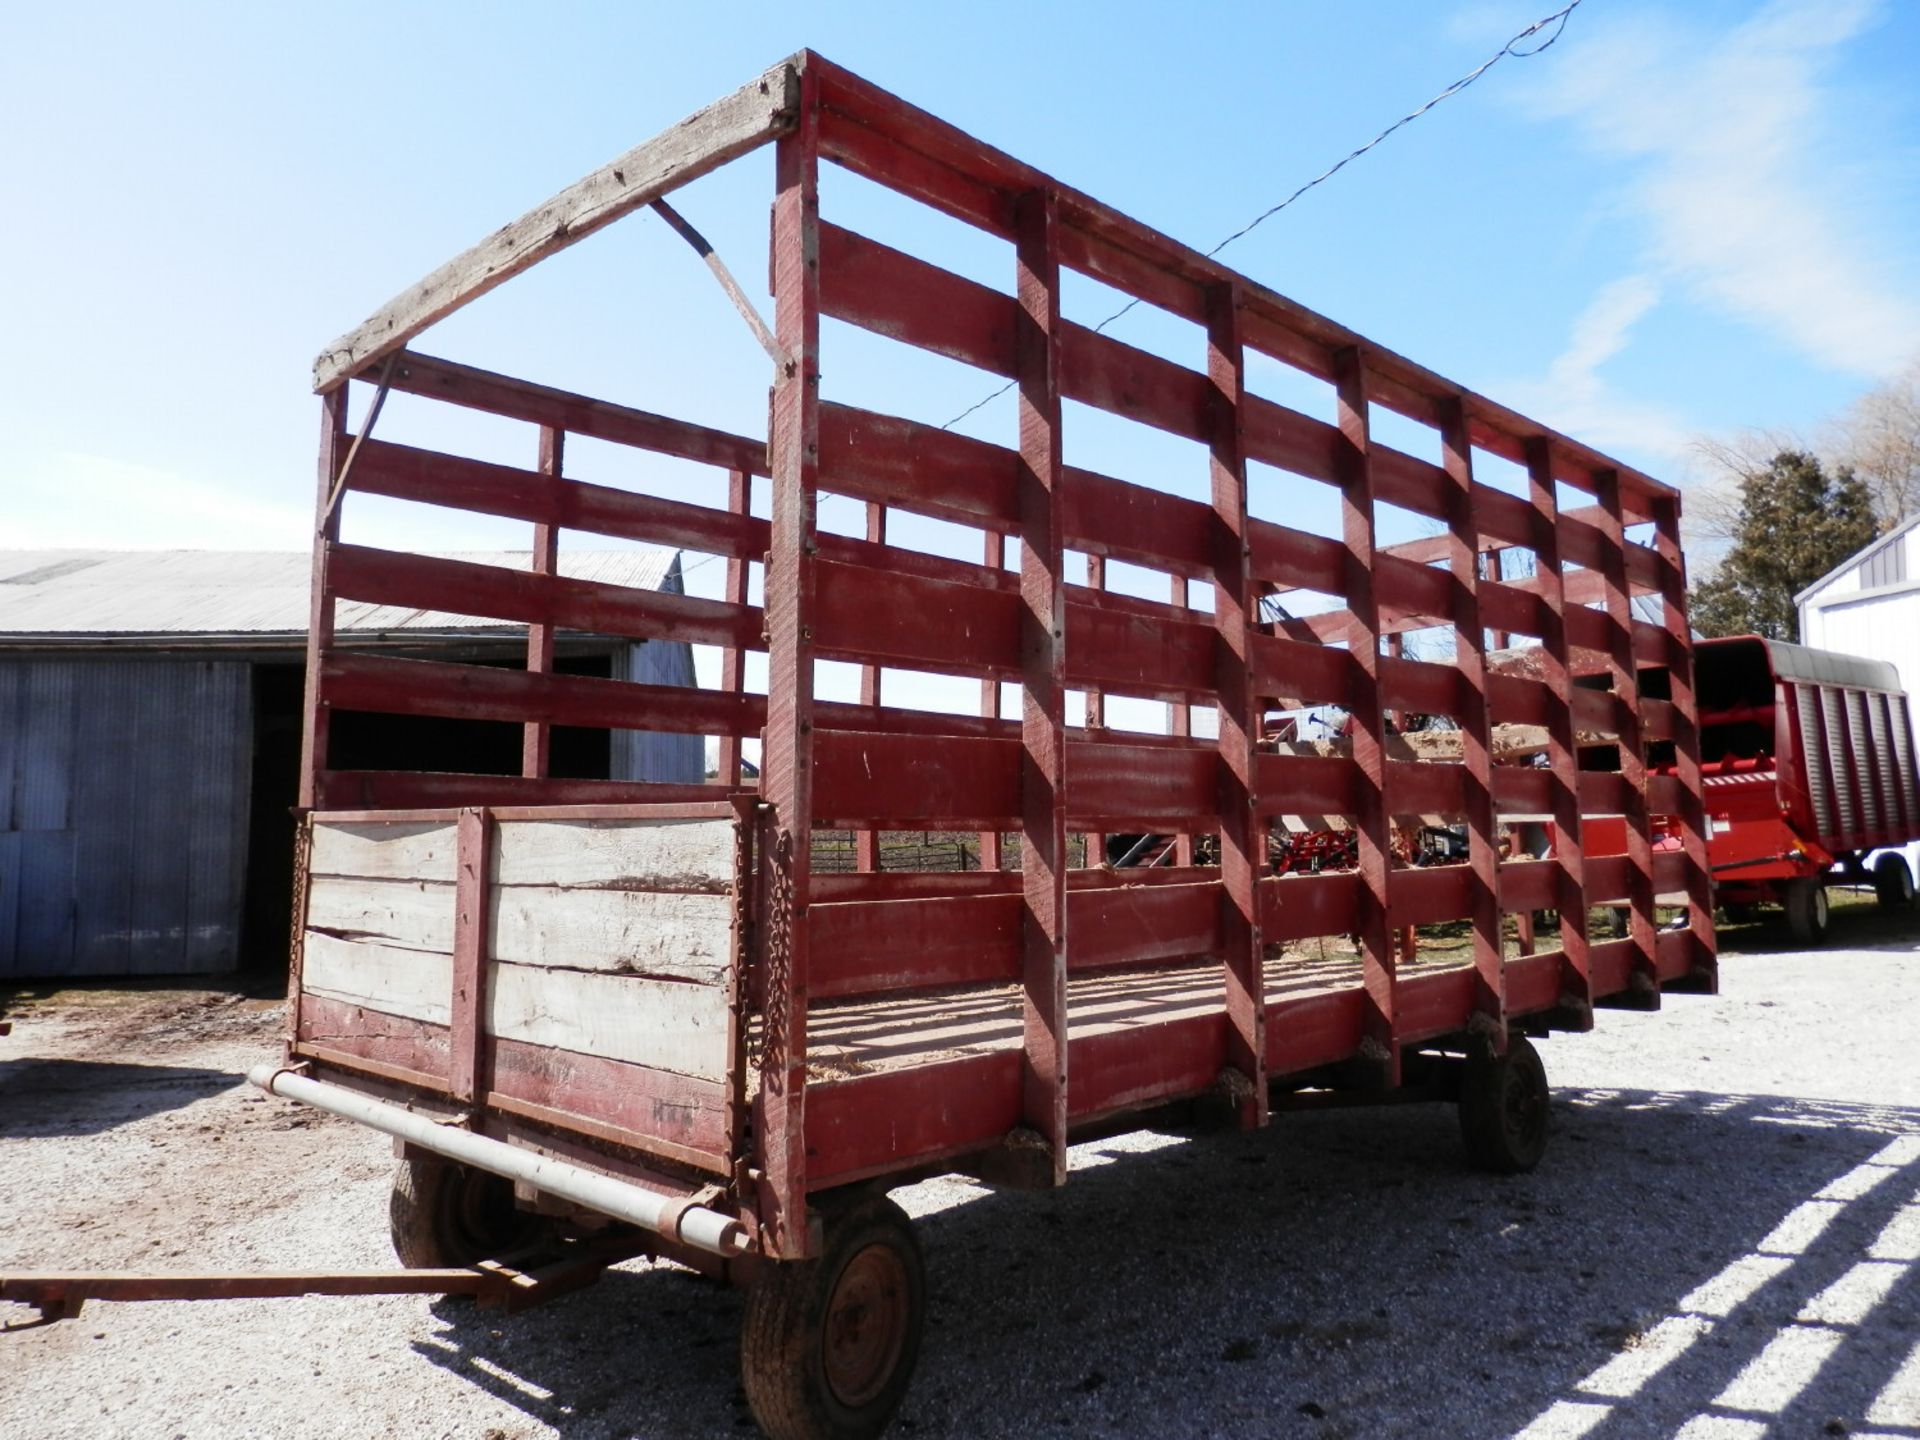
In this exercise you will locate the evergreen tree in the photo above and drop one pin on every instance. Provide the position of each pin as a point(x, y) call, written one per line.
point(1796, 523)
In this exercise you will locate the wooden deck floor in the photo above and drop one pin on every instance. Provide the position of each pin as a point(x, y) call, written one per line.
point(861, 1036)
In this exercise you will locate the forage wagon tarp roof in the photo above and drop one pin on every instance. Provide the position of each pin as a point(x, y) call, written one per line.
point(75, 594)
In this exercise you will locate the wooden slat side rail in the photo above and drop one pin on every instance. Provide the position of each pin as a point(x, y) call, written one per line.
point(779, 1117)
point(1563, 755)
point(701, 143)
point(930, 160)
point(1043, 644)
point(539, 598)
point(1371, 810)
point(915, 153)
point(1240, 709)
point(883, 947)
point(403, 472)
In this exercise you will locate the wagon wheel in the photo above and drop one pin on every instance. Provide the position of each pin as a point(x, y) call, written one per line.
point(1503, 1108)
point(1807, 911)
point(443, 1215)
point(828, 1347)
point(1892, 882)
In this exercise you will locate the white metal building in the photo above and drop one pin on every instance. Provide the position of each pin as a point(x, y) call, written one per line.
point(1870, 605)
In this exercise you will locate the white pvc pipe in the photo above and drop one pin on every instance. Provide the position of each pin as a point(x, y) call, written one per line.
point(706, 1229)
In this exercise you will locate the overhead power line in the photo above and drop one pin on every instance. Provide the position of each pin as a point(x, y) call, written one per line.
point(1557, 22)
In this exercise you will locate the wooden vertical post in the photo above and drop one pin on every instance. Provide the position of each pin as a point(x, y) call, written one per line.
point(1043, 814)
point(787, 775)
point(468, 1063)
point(1490, 570)
point(1180, 723)
point(536, 745)
point(1380, 972)
point(314, 724)
point(866, 841)
point(1096, 709)
point(1563, 754)
point(994, 556)
point(1242, 829)
point(1686, 740)
point(1624, 671)
point(314, 716)
point(1476, 731)
point(733, 660)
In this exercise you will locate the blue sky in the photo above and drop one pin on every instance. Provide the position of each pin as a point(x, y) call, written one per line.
point(1683, 219)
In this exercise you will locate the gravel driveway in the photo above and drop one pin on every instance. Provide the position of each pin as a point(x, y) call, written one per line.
point(1722, 1242)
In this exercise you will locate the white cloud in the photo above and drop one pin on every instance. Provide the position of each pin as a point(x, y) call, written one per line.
point(74, 501)
point(1738, 173)
point(1575, 396)
point(79, 501)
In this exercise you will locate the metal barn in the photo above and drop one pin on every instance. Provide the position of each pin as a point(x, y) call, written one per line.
point(150, 742)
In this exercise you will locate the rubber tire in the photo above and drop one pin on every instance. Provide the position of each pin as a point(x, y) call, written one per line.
point(1504, 1102)
point(1808, 916)
point(783, 1340)
point(443, 1216)
point(1892, 883)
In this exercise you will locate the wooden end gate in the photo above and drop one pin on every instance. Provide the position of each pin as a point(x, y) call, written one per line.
point(653, 983)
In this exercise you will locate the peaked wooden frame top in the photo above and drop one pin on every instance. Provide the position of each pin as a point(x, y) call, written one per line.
point(969, 180)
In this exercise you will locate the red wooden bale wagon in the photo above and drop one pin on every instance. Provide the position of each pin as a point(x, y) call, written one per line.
point(593, 1004)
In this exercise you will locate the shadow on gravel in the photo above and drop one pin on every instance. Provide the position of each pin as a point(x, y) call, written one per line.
point(1679, 1255)
point(1862, 926)
point(85, 1097)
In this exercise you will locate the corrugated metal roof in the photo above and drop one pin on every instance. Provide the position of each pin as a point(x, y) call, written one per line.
point(57, 594)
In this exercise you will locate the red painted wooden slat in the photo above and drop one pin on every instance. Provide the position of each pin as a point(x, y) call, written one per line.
point(1146, 1065)
point(876, 615)
point(871, 1124)
point(910, 466)
point(415, 789)
point(353, 681)
point(427, 582)
point(406, 473)
point(476, 389)
point(1103, 372)
point(1300, 907)
point(1306, 784)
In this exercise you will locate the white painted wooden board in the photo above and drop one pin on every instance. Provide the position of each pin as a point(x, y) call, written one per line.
point(616, 854)
point(385, 851)
point(417, 984)
point(665, 1024)
point(609, 938)
point(673, 936)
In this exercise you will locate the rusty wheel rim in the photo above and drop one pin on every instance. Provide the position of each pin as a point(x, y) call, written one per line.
point(866, 1325)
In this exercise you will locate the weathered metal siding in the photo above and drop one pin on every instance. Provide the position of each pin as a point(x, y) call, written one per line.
point(652, 754)
point(124, 787)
